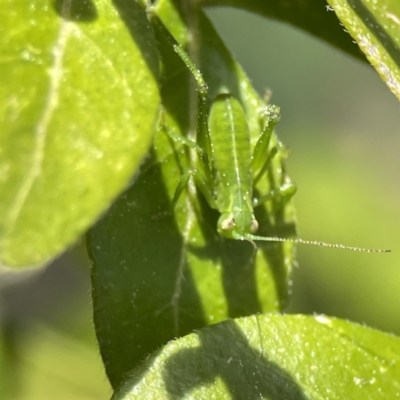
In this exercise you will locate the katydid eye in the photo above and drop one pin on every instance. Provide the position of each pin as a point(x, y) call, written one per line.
point(253, 226)
point(228, 224)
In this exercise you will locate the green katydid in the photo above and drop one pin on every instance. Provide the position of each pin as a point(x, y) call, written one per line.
point(227, 169)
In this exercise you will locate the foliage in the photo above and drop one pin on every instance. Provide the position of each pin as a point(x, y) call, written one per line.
point(75, 134)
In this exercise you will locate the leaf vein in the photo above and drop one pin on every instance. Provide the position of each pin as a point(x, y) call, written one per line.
point(55, 74)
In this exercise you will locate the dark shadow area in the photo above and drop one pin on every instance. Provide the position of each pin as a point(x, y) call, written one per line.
point(225, 353)
point(76, 10)
point(239, 278)
point(175, 84)
point(237, 260)
point(136, 252)
point(379, 31)
point(275, 225)
point(135, 20)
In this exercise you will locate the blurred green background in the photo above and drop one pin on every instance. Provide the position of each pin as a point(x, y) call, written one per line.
point(341, 125)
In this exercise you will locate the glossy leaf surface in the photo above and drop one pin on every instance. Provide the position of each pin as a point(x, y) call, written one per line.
point(78, 104)
point(375, 26)
point(272, 357)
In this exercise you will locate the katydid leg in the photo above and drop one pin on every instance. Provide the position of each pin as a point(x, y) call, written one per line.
point(180, 139)
point(202, 134)
point(270, 156)
point(260, 152)
point(201, 183)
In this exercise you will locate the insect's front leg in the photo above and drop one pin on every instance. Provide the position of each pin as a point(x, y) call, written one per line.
point(201, 183)
point(180, 139)
point(203, 172)
point(202, 131)
point(262, 156)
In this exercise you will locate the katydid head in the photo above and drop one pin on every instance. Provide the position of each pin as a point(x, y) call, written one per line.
point(237, 224)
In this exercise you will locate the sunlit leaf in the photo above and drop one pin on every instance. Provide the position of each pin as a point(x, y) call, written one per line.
point(375, 26)
point(78, 105)
point(272, 357)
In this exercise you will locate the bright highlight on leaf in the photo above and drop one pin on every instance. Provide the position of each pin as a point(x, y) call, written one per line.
point(78, 113)
point(375, 26)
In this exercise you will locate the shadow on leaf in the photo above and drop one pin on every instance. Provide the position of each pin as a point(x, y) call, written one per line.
point(136, 22)
point(225, 353)
point(76, 10)
point(377, 29)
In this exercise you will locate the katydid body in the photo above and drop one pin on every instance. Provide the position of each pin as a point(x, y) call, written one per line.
point(231, 160)
point(227, 168)
point(224, 173)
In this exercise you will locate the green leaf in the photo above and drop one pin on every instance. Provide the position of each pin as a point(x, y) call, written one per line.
point(272, 357)
point(159, 274)
point(311, 16)
point(78, 105)
point(375, 26)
